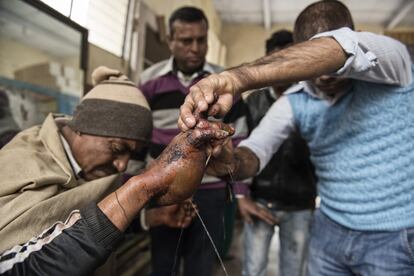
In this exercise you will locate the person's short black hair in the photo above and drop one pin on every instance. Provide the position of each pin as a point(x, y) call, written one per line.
point(186, 14)
point(279, 39)
point(321, 16)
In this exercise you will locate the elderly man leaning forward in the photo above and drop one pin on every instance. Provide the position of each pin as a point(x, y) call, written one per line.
point(49, 172)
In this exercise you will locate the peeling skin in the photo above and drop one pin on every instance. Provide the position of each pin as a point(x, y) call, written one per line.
point(175, 154)
point(176, 173)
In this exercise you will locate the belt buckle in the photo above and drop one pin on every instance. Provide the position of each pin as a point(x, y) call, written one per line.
point(270, 205)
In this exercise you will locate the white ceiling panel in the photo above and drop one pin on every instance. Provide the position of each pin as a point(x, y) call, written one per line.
point(375, 12)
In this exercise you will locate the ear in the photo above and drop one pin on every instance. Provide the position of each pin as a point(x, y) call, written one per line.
point(170, 42)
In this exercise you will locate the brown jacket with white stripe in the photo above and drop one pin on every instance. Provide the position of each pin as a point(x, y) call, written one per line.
point(38, 186)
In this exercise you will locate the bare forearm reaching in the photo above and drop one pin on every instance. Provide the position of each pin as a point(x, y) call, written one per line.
point(302, 61)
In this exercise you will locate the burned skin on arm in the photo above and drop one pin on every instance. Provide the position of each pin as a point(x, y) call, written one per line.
point(171, 178)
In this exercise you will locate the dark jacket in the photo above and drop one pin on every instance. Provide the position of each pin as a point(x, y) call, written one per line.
point(288, 180)
point(76, 247)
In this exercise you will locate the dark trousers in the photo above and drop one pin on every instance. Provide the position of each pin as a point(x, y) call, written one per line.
point(195, 248)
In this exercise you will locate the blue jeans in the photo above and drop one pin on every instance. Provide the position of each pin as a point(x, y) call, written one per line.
point(293, 235)
point(337, 250)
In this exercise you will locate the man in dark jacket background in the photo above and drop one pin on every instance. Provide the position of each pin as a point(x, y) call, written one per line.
point(284, 191)
point(165, 86)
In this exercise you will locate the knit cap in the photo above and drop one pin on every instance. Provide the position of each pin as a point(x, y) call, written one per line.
point(115, 107)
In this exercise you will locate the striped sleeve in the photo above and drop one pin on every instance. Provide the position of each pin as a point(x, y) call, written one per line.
point(74, 247)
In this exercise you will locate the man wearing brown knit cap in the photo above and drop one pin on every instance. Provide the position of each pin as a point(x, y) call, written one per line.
point(66, 163)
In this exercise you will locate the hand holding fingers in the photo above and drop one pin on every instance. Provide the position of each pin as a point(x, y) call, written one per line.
point(213, 94)
point(187, 120)
point(221, 106)
point(194, 101)
point(202, 94)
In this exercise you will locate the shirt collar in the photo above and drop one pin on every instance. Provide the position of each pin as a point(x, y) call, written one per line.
point(295, 88)
point(272, 93)
point(169, 67)
point(315, 92)
point(75, 166)
point(208, 68)
point(185, 80)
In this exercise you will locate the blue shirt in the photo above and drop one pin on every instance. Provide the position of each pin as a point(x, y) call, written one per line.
point(372, 60)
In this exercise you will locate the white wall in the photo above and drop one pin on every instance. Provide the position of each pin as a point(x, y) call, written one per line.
point(246, 42)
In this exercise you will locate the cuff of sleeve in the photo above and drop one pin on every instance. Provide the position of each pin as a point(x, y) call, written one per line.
point(348, 40)
point(142, 219)
point(241, 190)
point(345, 37)
point(103, 230)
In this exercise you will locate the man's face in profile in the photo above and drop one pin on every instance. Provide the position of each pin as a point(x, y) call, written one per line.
point(331, 85)
point(102, 156)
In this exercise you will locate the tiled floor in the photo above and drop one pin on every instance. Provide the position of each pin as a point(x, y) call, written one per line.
point(233, 264)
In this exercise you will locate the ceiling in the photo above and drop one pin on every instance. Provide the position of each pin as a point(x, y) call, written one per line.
point(387, 14)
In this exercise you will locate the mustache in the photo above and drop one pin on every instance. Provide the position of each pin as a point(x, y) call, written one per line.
point(332, 84)
point(104, 171)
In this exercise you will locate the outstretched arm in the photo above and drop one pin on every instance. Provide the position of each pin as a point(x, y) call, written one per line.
point(88, 236)
point(306, 60)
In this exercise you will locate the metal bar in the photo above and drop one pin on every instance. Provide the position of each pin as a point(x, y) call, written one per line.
point(267, 14)
point(400, 15)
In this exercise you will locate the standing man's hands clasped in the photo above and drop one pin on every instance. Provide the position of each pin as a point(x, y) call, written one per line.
point(176, 216)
